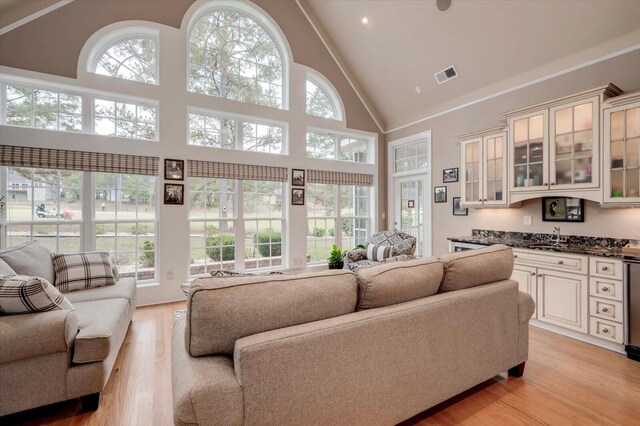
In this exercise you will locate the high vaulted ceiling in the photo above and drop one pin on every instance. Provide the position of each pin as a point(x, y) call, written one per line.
point(494, 44)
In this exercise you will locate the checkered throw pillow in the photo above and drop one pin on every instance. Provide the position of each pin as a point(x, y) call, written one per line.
point(21, 294)
point(80, 271)
point(378, 253)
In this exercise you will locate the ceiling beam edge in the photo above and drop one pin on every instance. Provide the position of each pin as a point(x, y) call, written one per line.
point(34, 16)
point(343, 68)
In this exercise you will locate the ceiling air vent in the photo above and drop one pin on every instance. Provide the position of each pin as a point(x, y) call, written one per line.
point(446, 74)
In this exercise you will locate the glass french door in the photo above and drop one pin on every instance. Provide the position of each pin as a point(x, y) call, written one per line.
point(411, 196)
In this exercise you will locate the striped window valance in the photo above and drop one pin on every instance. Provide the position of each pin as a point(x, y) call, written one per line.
point(339, 178)
point(211, 169)
point(46, 158)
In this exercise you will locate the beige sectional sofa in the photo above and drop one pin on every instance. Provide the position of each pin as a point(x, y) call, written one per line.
point(53, 356)
point(338, 348)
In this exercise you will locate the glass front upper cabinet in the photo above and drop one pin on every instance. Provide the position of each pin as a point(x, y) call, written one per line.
point(529, 167)
point(622, 153)
point(573, 160)
point(484, 170)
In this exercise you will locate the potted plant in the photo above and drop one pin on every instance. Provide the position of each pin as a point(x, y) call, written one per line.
point(335, 258)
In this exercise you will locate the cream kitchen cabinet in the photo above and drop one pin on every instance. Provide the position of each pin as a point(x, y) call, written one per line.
point(554, 147)
point(484, 169)
point(562, 299)
point(526, 276)
point(621, 116)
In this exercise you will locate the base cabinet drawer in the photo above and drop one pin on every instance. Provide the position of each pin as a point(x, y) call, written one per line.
point(604, 267)
point(607, 330)
point(605, 309)
point(557, 261)
point(607, 289)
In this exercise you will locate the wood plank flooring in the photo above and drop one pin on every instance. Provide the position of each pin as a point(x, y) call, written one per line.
point(566, 382)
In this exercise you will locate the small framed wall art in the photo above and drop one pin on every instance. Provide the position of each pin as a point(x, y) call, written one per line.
point(562, 209)
point(297, 177)
point(174, 194)
point(440, 194)
point(173, 169)
point(297, 197)
point(450, 175)
point(458, 210)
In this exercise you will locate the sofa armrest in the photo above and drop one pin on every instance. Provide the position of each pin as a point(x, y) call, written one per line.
point(526, 306)
point(29, 335)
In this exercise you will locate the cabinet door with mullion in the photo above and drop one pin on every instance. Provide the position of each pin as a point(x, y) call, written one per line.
point(472, 187)
point(622, 154)
point(574, 149)
point(528, 145)
point(494, 169)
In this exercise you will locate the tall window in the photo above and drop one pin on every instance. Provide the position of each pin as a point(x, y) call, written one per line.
point(42, 109)
point(131, 59)
point(234, 224)
point(321, 100)
point(344, 208)
point(235, 133)
point(333, 146)
point(232, 56)
point(44, 205)
point(126, 120)
point(125, 222)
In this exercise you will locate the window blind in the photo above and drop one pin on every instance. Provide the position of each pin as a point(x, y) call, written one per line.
point(210, 169)
point(339, 178)
point(60, 159)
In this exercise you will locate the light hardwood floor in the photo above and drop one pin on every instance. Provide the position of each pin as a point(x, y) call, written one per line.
point(566, 382)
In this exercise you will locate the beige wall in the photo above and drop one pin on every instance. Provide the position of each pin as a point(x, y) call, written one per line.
point(623, 71)
point(51, 44)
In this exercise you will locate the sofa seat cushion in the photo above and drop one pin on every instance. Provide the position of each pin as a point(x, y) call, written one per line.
point(223, 310)
point(101, 324)
point(30, 258)
point(21, 294)
point(397, 282)
point(123, 289)
point(476, 267)
point(80, 271)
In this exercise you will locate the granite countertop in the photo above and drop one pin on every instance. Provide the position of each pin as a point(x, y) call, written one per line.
point(589, 246)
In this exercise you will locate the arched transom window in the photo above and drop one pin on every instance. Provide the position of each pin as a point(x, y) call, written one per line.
point(319, 103)
point(232, 56)
point(133, 58)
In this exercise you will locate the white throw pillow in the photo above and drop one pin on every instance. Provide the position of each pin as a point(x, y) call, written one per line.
point(32, 259)
point(21, 294)
point(80, 271)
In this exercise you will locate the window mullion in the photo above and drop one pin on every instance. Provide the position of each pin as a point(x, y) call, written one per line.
point(239, 226)
point(88, 202)
point(337, 227)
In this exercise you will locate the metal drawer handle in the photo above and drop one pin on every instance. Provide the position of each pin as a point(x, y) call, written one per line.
point(560, 262)
point(605, 330)
point(605, 268)
point(605, 309)
point(515, 255)
point(533, 273)
point(605, 288)
point(539, 275)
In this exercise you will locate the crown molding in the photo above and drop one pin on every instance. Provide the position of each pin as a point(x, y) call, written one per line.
point(34, 16)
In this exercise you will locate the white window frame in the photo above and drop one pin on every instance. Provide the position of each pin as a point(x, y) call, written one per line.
point(117, 100)
point(118, 36)
point(337, 135)
point(325, 85)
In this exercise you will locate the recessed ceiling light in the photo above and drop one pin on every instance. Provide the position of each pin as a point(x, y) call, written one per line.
point(364, 20)
point(418, 90)
point(443, 5)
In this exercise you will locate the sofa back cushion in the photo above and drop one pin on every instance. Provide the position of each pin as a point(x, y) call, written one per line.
point(476, 267)
point(80, 271)
point(22, 294)
point(5, 269)
point(30, 258)
point(398, 282)
point(223, 310)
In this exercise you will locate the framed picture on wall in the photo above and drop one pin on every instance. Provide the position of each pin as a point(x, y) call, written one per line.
point(562, 209)
point(173, 194)
point(450, 175)
point(297, 197)
point(458, 210)
point(297, 177)
point(440, 194)
point(173, 169)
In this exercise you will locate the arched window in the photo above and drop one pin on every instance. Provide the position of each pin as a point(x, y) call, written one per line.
point(234, 56)
point(322, 100)
point(131, 54)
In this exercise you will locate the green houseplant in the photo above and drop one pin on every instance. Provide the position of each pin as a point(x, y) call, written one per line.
point(335, 258)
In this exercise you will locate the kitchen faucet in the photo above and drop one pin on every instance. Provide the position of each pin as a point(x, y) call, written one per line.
point(556, 230)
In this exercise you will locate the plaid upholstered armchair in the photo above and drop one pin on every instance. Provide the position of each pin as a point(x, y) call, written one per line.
point(382, 247)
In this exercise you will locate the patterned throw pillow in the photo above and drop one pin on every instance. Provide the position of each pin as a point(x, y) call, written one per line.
point(21, 294)
point(80, 271)
point(378, 253)
point(223, 273)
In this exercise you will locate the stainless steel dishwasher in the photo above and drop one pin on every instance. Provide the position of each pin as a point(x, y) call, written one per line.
point(632, 284)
